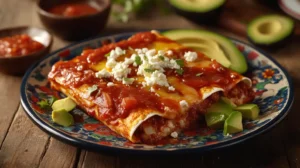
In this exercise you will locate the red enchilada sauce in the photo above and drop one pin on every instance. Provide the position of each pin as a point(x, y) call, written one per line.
point(73, 9)
point(18, 45)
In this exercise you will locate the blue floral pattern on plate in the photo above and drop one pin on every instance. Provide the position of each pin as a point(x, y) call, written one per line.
point(271, 84)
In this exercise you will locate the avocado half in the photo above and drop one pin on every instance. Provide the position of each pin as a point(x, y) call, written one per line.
point(198, 10)
point(270, 30)
point(212, 45)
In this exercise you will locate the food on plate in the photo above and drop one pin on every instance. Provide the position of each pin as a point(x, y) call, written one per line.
point(66, 104)
point(198, 11)
point(73, 9)
point(270, 30)
point(249, 111)
point(148, 88)
point(233, 124)
point(212, 45)
point(19, 45)
point(62, 117)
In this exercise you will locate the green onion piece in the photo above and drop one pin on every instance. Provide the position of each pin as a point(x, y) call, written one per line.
point(180, 62)
point(149, 70)
point(180, 71)
point(138, 60)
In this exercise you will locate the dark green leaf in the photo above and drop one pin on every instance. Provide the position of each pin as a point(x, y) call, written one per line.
point(180, 62)
point(138, 60)
point(149, 70)
point(180, 71)
point(162, 58)
point(92, 89)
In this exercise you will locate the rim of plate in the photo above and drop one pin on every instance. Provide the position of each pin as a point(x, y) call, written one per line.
point(60, 135)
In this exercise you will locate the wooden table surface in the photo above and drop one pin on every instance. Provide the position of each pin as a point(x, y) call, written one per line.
point(22, 144)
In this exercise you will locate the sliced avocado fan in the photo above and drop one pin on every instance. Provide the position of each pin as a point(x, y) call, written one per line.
point(212, 45)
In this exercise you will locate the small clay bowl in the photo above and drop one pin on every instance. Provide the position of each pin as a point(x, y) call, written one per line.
point(17, 65)
point(77, 27)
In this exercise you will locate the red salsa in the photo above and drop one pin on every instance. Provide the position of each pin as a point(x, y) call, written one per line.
point(73, 9)
point(19, 45)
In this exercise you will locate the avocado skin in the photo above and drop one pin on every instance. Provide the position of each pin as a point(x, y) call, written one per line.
point(210, 17)
point(276, 45)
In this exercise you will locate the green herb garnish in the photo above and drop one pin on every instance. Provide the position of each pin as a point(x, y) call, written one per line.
point(107, 55)
point(138, 60)
point(199, 74)
point(92, 89)
point(180, 62)
point(162, 58)
point(180, 71)
point(149, 70)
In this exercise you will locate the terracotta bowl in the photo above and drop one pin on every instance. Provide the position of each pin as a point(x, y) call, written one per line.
point(78, 27)
point(17, 65)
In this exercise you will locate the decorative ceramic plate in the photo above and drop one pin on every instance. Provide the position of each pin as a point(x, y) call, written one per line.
point(271, 83)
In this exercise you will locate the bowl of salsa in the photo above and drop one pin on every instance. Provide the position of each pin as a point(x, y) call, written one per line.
point(20, 47)
point(74, 19)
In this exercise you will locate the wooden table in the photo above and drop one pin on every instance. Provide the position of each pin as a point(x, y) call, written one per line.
point(22, 144)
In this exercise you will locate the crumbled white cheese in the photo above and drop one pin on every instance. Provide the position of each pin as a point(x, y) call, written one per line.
point(158, 78)
point(171, 88)
point(170, 52)
point(103, 74)
point(150, 53)
point(110, 63)
point(184, 105)
point(119, 51)
point(152, 89)
point(109, 84)
point(79, 68)
point(174, 134)
point(161, 52)
point(190, 56)
point(120, 71)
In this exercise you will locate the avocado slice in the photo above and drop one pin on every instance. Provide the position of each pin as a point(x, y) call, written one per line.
point(249, 111)
point(233, 123)
point(270, 30)
point(220, 107)
point(215, 120)
point(66, 104)
point(62, 117)
point(198, 10)
point(200, 37)
point(229, 102)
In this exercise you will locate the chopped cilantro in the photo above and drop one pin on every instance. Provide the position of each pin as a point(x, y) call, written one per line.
point(162, 58)
point(199, 74)
point(138, 60)
point(149, 70)
point(128, 79)
point(180, 71)
point(145, 58)
point(180, 62)
point(92, 89)
point(107, 55)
